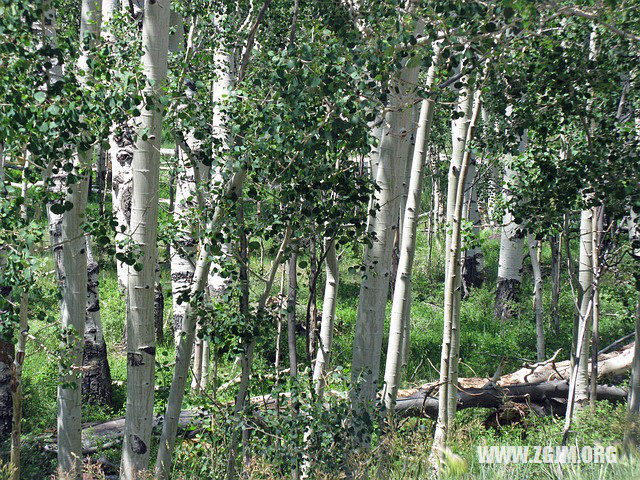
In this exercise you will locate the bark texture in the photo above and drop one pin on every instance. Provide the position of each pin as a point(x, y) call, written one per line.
point(473, 264)
point(328, 317)
point(144, 221)
point(585, 279)
point(96, 382)
point(511, 253)
point(401, 308)
point(391, 161)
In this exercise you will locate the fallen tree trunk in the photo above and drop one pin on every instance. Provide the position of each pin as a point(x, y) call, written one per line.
point(543, 397)
point(542, 387)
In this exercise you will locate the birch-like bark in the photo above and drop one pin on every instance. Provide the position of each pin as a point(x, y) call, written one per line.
point(585, 279)
point(183, 252)
point(184, 349)
point(185, 346)
point(96, 382)
point(400, 312)
point(534, 254)
point(511, 253)
point(453, 270)
point(586, 267)
point(70, 256)
point(121, 147)
point(329, 303)
point(375, 284)
point(402, 291)
point(454, 359)
point(144, 222)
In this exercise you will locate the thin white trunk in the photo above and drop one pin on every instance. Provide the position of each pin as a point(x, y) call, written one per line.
point(585, 279)
point(400, 312)
point(447, 389)
point(468, 122)
point(534, 254)
point(183, 252)
point(70, 256)
point(206, 362)
point(375, 284)
point(328, 317)
point(144, 222)
point(185, 345)
point(556, 261)
point(597, 226)
point(121, 147)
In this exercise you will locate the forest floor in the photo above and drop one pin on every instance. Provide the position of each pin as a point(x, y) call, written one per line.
point(485, 343)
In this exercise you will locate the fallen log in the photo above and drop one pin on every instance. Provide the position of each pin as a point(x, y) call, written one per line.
point(542, 386)
point(542, 395)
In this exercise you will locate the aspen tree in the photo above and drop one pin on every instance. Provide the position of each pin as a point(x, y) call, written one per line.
point(70, 256)
point(96, 382)
point(144, 221)
point(447, 389)
point(511, 251)
point(323, 358)
point(374, 289)
point(401, 308)
point(462, 133)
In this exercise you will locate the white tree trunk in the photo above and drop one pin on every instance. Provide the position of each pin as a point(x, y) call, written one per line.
point(144, 222)
point(121, 147)
point(70, 257)
point(375, 284)
point(183, 252)
point(556, 261)
point(511, 253)
point(585, 279)
point(460, 132)
point(447, 389)
point(328, 317)
point(185, 345)
point(399, 327)
point(534, 254)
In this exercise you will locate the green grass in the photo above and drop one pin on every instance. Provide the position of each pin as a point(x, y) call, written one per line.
point(484, 343)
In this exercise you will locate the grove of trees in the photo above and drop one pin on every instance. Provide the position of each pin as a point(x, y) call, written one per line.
point(237, 236)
